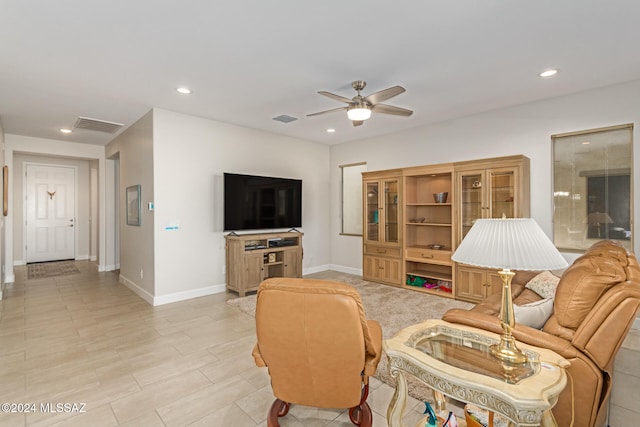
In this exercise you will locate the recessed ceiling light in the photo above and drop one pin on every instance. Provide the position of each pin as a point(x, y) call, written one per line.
point(331, 130)
point(64, 130)
point(184, 90)
point(549, 72)
point(585, 143)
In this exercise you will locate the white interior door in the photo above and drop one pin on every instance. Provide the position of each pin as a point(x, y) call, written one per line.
point(50, 213)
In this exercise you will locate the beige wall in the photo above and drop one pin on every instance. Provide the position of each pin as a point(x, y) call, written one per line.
point(82, 221)
point(2, 222)
point(524, 129)
point(134, 154)
point(190, 156)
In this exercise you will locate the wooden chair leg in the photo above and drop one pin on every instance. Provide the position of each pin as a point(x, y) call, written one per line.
point(278, 409)
point(361, 414)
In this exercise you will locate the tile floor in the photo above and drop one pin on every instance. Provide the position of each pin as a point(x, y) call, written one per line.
point(86, 341)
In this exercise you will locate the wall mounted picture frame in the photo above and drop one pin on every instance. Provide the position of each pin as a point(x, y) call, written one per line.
point(5, 190)
point(133, 205)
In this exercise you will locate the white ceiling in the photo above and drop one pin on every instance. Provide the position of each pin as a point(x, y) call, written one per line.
point(250, 60)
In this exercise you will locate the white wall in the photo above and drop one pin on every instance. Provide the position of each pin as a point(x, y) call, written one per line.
point(18, 144)
point(82, 220)
point(133, 150)
point(2, 222)
point(524, 129)
point(190, 156)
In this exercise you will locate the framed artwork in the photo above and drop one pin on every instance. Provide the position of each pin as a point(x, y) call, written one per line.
point(133, 205)
point(5, 190)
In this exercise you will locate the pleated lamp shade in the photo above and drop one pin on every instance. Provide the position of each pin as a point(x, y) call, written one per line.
point(509, 243)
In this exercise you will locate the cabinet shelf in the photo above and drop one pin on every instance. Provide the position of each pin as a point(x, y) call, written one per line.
point(432, 291)
point(430, 274)
point(429, 204)
point(432, 224)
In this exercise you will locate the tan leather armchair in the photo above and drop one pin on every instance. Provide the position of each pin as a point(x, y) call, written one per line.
point(318, 346)
point(595, 305)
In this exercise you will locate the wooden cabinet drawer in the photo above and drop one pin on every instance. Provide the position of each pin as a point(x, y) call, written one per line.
point(384, 251)
point(429, 255)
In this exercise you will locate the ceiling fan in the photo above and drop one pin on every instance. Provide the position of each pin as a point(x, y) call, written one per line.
point(359, 107)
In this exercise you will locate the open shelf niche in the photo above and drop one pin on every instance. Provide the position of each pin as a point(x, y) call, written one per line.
point(428, 229)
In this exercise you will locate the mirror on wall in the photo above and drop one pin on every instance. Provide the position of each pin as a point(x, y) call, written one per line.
point(592, 197)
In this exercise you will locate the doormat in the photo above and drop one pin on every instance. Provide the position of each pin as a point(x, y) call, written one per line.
point(51, 269)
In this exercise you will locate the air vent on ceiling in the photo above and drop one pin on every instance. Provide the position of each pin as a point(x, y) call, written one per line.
point(97, 125)
point(285, 119)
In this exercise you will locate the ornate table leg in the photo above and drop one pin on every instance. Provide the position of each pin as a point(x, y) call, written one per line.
point(399, 398)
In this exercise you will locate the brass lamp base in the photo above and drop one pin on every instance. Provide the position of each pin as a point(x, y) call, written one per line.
point(507, 351)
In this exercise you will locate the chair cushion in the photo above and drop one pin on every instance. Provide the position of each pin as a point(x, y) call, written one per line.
point(544, 284)
point(534, 314)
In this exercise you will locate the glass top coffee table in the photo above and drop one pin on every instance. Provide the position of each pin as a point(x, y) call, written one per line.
point(454, 360)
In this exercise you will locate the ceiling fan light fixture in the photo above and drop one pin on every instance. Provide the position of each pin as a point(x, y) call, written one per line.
point(358, 113)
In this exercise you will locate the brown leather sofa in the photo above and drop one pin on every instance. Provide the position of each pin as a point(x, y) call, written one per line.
point(318, 345)
point(595, 305)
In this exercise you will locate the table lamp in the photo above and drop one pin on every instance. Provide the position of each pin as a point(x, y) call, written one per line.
point(508, 244)
point(596, 219)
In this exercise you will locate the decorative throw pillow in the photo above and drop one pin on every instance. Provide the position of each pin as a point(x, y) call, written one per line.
point(534, 314)
point(544, 284)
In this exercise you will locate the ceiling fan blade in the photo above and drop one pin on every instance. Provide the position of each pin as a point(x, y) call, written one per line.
point(327, 111)
point(383, 95)
point(390, 109)
point(357, 122)
point(336, 97)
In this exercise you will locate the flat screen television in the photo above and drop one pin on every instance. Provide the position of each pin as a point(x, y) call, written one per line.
point(260, 202)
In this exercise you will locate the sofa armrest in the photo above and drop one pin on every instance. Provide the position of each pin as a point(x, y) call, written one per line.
point(257, 357)
point(521, 333)
point(374, 354)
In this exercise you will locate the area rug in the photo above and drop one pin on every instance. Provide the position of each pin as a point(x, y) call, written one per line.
point(394, 308)
point(41, 270)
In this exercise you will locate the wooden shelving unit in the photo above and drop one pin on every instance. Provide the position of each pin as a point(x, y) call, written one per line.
point(428, 229)
point(382, 239)
point(409, 237)
point(252, 258)
point(488, 188)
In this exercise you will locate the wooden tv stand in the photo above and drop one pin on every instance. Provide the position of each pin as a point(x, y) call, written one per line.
point(252, 258)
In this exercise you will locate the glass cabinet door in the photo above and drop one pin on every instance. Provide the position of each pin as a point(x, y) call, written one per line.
point(471, 200)
point(502, 194)
point(391, 211)
point(372, 211)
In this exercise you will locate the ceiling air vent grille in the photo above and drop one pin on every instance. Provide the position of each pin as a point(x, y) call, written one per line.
point(285, 119)
point(97, 125)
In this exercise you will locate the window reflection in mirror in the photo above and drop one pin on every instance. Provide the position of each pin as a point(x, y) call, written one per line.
point(351, 198)
point(592, 175)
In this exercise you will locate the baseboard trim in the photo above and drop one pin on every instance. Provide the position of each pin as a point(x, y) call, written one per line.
point(175, 297)
point(185, 295)
point(343, 269)
point(135, 288)
point(110, 267)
